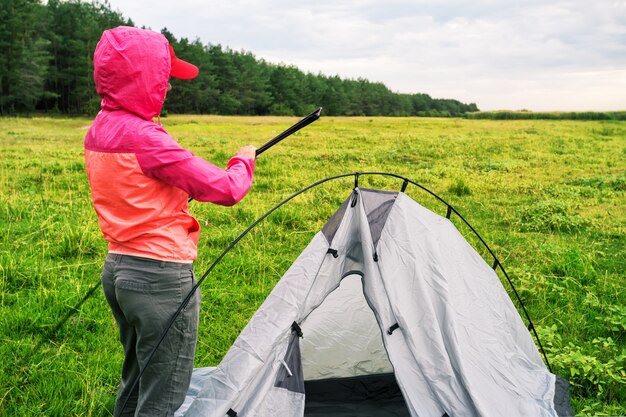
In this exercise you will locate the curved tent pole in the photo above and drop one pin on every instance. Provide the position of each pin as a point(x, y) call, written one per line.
point(208, 271)
point(356, 175)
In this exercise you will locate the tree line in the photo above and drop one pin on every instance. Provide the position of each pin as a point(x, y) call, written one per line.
point(46, 65)
point(528, 115)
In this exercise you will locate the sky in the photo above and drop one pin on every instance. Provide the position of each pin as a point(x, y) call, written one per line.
point(538, 55)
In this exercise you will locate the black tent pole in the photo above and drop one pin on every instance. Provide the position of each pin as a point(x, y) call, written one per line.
point(307, 120)
point(293, 129)
point(304, 122)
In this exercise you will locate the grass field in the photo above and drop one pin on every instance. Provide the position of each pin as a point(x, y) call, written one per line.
point(548, 196)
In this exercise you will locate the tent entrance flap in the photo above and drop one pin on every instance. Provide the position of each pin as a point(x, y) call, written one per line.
point(363, 396)
point(342, 337)
point(345, 363)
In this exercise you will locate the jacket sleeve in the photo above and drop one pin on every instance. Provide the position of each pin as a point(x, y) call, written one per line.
point(162, 158)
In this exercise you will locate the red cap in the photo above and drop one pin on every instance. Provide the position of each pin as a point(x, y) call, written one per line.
point(182, 70)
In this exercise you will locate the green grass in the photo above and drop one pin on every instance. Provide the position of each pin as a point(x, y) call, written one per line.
point(548, 196)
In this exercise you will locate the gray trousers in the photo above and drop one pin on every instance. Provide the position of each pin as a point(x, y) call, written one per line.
point(143, 295)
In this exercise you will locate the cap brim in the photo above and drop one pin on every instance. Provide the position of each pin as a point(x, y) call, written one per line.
point(183, 70)
point(180, 69)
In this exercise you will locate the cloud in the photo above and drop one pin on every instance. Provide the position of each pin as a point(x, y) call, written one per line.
point(498, 53)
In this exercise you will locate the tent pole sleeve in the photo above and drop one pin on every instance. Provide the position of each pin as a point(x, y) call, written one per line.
point(404, 185)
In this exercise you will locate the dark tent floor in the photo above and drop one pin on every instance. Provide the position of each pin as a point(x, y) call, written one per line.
point(364, 396)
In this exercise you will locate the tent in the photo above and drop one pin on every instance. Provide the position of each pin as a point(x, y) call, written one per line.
point(388, 311)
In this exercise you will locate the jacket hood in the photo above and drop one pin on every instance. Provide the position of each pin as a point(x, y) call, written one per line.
point(131, 70)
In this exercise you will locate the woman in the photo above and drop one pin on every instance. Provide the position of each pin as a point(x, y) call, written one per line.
point(141, 180)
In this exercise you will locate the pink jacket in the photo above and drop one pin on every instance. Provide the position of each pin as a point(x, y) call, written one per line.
point(140, 177)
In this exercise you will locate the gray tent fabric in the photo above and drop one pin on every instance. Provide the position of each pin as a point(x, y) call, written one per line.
point(561, 398)
point(387, 291)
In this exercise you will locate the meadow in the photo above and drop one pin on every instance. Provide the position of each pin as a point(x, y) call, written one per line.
point(548, 196)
